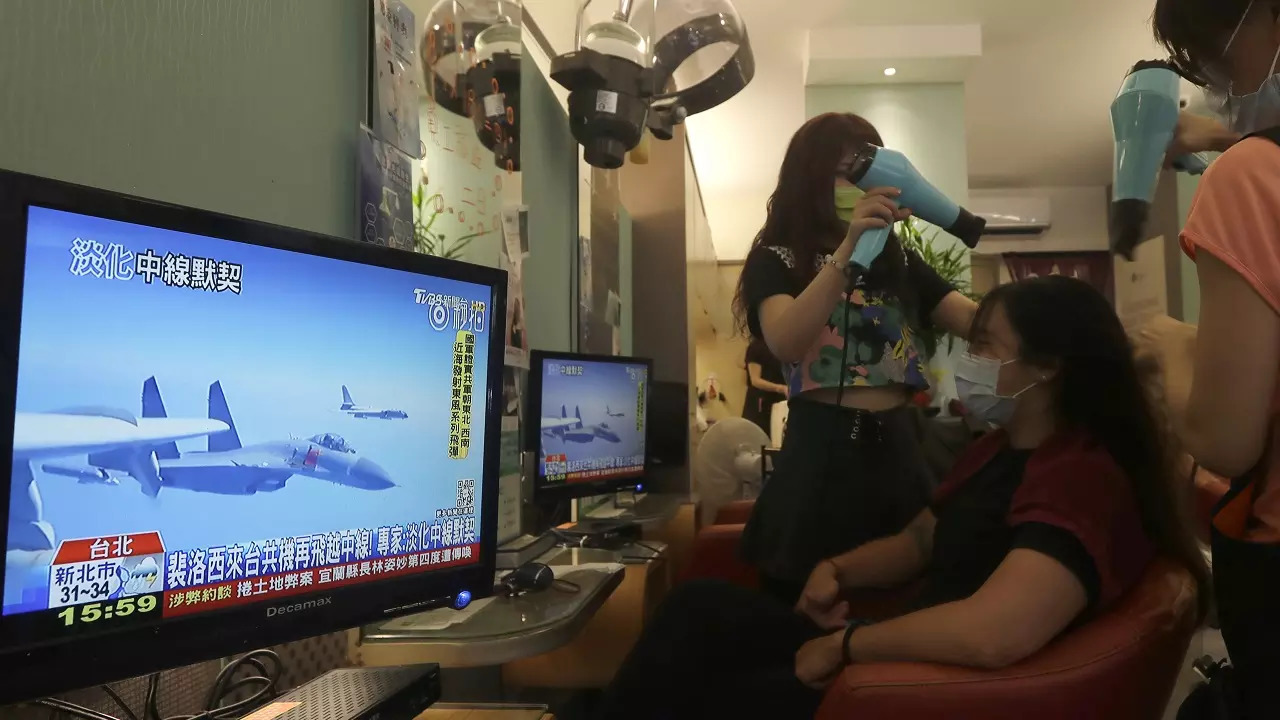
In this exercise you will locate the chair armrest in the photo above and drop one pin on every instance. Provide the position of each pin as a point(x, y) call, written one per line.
point(715, 556)
point(1122, 664)
point(735, 513)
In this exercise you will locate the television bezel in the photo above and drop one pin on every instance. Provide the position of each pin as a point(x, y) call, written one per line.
point(52, 664)
point(542, 490)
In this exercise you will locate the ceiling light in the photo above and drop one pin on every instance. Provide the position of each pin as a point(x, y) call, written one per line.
point(890, 72)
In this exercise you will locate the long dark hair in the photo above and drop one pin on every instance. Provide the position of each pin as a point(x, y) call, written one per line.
point(1195, 32)
point(1099, 388)
point(802, 209)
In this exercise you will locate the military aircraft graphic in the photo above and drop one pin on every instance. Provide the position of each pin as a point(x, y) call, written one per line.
point(77, 431)
point(349, 407)
point(611, 413)
point(228, 467)
point(572, 429)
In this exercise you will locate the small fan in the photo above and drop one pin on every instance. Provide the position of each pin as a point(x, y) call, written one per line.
point(728, 466)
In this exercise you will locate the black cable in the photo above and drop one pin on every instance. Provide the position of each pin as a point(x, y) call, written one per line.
point(152, 711)
point(128, 712)
point(267, 667)
point(72, 709)
point(852, 274)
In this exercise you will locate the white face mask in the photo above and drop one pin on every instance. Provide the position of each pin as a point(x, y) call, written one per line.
point(976, 381)
point(1254, 111)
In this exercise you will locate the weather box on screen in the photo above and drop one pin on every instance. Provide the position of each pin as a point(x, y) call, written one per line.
point(593, 421)
point(204, 423)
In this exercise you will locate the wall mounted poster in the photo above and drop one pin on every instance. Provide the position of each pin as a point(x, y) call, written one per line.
point(393, 85)
point(386, 193)
point(599, 259)
point(1092, 267)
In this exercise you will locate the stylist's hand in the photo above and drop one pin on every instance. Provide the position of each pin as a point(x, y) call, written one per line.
point(1198, 133)
point(820, 601)
point(877, 209)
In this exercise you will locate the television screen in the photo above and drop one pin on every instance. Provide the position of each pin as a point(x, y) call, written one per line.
point(592, 419)
point(203, 425)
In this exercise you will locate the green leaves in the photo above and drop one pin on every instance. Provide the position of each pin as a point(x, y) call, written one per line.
point(949, 260)
point(431, 242)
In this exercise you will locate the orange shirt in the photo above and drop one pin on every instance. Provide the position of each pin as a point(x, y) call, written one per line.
point(1235, 217)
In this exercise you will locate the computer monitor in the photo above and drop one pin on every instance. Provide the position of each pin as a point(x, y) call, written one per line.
point(590, 414)
point(226, 435)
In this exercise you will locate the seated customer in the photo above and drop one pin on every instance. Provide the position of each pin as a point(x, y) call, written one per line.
point(1038, 527)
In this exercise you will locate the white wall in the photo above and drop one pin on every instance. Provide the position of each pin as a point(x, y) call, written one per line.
point(1079, 222)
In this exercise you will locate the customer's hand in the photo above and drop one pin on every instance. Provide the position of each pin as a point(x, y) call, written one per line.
point(877, 209)
point(818, 661)
point(1198, 133)
point(820, 600)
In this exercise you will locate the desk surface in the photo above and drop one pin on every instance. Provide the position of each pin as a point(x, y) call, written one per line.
point(444, 711)
point(510, 628)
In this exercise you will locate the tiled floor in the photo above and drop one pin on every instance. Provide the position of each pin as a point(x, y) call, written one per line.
point(1205, 642)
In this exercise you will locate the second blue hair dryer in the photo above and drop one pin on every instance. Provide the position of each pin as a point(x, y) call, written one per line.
point(1144, 117)
point(881, 167)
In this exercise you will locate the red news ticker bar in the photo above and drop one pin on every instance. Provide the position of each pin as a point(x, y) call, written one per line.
point(109, 547)
point(232, 597)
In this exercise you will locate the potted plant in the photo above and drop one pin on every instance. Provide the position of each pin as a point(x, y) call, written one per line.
point(432, 242)
point(950, 261)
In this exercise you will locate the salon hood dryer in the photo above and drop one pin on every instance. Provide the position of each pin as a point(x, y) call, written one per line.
point(471, 58)
point(646, 67)
point(1144, 117)
point(876, 167)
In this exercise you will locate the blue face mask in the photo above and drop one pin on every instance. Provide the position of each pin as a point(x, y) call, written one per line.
point(976, 381)
point(1251, 112)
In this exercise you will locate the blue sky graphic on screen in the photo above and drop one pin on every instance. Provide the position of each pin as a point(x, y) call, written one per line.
point(281, 420)
point(593, 420)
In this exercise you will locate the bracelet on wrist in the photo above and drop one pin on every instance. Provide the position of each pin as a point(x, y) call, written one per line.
point(848, 633)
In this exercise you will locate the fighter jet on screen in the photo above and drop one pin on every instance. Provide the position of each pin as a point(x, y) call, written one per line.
point(349, 407)
point(130, 440)
point(572, 429)
point(228, 467)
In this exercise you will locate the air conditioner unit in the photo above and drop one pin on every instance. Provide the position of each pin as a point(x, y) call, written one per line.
point(1012, 214)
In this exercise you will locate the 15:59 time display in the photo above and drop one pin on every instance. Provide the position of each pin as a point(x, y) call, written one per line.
point(120, 608)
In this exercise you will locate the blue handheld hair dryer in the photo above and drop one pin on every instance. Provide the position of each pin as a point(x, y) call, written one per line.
point(1144, 117)
point(880, 167)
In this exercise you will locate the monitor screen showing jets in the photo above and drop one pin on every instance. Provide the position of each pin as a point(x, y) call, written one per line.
point(592, 420)
point(203, 424)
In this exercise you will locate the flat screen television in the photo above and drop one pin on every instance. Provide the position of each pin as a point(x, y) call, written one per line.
point(591, 418)
point(225, 435)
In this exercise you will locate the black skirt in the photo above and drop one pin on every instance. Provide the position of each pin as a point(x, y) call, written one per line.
point(843, 477)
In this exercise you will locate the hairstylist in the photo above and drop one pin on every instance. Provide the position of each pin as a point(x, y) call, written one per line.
point(849, 470)
point(765, 384)
point(1226, 417)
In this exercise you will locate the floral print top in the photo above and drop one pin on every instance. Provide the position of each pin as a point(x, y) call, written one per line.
point(882, 346)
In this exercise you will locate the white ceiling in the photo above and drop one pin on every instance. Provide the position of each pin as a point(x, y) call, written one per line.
point(1036, 99)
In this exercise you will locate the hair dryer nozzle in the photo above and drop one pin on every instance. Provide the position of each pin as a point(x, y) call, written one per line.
point(1128, 218)
point(968, 227)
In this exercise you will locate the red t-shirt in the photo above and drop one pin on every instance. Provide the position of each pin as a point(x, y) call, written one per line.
point(1067, 499)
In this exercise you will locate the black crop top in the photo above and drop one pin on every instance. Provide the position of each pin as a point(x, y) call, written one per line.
point(882, 343)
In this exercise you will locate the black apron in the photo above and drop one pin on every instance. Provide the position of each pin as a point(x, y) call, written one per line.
point(1246, 583)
